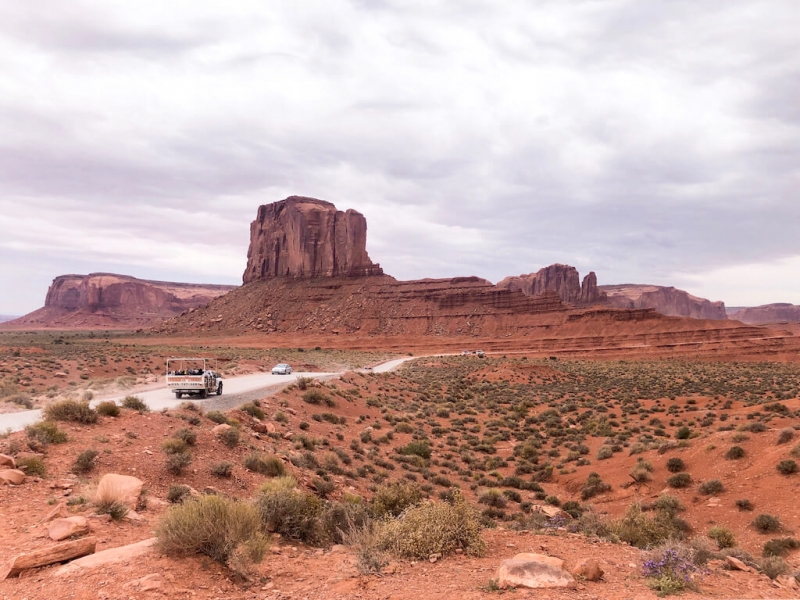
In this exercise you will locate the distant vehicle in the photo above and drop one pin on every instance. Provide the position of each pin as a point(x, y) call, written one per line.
point(193, 377)
point(282, 369)
point(480, 353)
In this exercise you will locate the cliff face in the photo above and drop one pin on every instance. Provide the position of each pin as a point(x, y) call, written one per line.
point(119, 301)
point(563, 280)
point(305, 238)
point(668, 301)
point(767, 313)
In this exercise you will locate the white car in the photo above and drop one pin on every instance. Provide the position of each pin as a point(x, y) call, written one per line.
point(282, 369)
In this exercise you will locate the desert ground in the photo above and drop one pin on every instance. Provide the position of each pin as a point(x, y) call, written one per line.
point(568, 453)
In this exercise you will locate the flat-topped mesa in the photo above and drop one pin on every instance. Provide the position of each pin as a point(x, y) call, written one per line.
point(563, 280)
point(305, 238)
point(669, 301)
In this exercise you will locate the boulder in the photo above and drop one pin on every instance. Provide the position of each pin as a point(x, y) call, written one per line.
point(307, 238)
point(105, 557)
point(47, 556)
point(12, 476)
point(7, 461)
point(221, 429)
point(588, 569)
point(59, 512)
point(61, 529)
point(534, 571)
point(119, 488)
point(736, 564)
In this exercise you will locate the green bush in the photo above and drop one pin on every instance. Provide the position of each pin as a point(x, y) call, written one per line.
point(780, 547)
point(680, 480)
point(744, 504)
point(174, 446)
point(683, 433)
point(264, 464)
point(712, 486)
point(391, 499)
point(723, 537)
point(178, 493)
point(73, 411)
point(178, 461)
point(187, 435)
point(292, 512)
point(230, 437)
point(219, 527)
point(786, 467)
point(339, 519)
point(638, 529)
point(735, 453)
point(316, 397)
point(85, 461)
point(675, 465)
point(785, 436)
point(773, 566)
point(434, 528)
point(135, 403)
point(251, 409)
point(493, 497)
point(604, 452)
point(45, 432)
point(217, 417)
point(594, 485)
point(419, 448)
point(116, 510)
point(222, 469)
point(108, 409)
point(765, 523)
point(32, 465)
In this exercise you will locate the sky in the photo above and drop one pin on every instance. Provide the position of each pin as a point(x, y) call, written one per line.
point(650, 141)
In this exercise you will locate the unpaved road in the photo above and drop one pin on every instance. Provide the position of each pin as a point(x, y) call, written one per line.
point(236, 391)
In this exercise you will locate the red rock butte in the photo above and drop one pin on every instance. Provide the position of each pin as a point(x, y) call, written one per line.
point(305, 238)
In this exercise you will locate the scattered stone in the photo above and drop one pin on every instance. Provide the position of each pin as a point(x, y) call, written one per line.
point(788, 581)
point(60, 375)
point(288, 435)
point(270, 428)
point(59, 512)
point(119, 488)
point(589, 569)
point(61, 529)
point(736, 564)
point(221, 429)
point(12, 477)
point(47, 556)
point(534, 571)
point(112, 555)
point(7, 461)
point(153, 581)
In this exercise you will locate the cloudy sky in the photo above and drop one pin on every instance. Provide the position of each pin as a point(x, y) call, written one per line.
point(649, 141)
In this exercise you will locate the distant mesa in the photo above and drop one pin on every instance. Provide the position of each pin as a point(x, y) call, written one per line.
point(306, 238)
point(563, 280)
point(4, 318)
point(668, 301)
point(779, 312)
point(107, 300)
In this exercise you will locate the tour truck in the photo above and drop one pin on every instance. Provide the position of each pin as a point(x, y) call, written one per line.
point(193, 377)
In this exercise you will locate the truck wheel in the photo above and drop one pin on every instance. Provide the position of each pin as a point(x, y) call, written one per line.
point(219, 389)
point(203, 394)
point(178, 395)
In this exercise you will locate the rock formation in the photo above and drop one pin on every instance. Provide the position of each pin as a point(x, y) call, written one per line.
point(780, 312)
point(561, 279)
point(305, 238)
point(118, 301)
point(669, 301)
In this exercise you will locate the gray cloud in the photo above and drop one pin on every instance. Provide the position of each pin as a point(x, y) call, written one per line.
point(649, 141)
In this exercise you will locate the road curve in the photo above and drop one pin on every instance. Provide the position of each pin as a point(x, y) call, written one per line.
point(236, 391)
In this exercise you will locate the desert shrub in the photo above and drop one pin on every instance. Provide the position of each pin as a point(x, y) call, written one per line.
point(187, 435)
point(594, 485)
point(757, 427)
point(365, 541)
point(780, 547)
point(219, 527)
point(190, 406)
point(252, 410)
point(640, 530)
point(765, 523)
point(573, 509)
point(178, 461)
point(744, 504)
point(785, 436)
point(32, 465)
point(773, 566)
point(679, 480)
point(391, 499)
point(291, 512)
point(434, 528)
point(302, 382)
point(174, 446)
point(723, 537)
point(712, 486)
point(73, 411)
point(786, 467)
point(339, 519)
point(419, 448)
point(281, 417)
point(45, 432)
point(668, 504)
point(21, 399)
point(493, 498)
point(316, 397)
point(178, 493)
point(683, 433)
point(271, 465)
point(217, 417)
point(604, 452)
point(108, 409)
point(403, 428)
point(135, 403)
point(230, 437)
point(222, 469)
point(675, 465)
point(85, 461)
point(735, 453)
point(670, 569)
point(640, 474)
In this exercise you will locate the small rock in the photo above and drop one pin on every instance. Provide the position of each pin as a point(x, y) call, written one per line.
point(534, 571)
point(736, 564)
point(221, 429)
point(59, 512)
point(61, 529)
point(12, 476)
point(589, 569)
point(338, 548)
point(787, 581)
point(7, 461)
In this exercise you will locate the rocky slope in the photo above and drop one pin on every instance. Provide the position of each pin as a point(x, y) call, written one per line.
point(563, 280)
point(115, 301)
point(780, 312)
point(668, 301)
point(306, 237)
